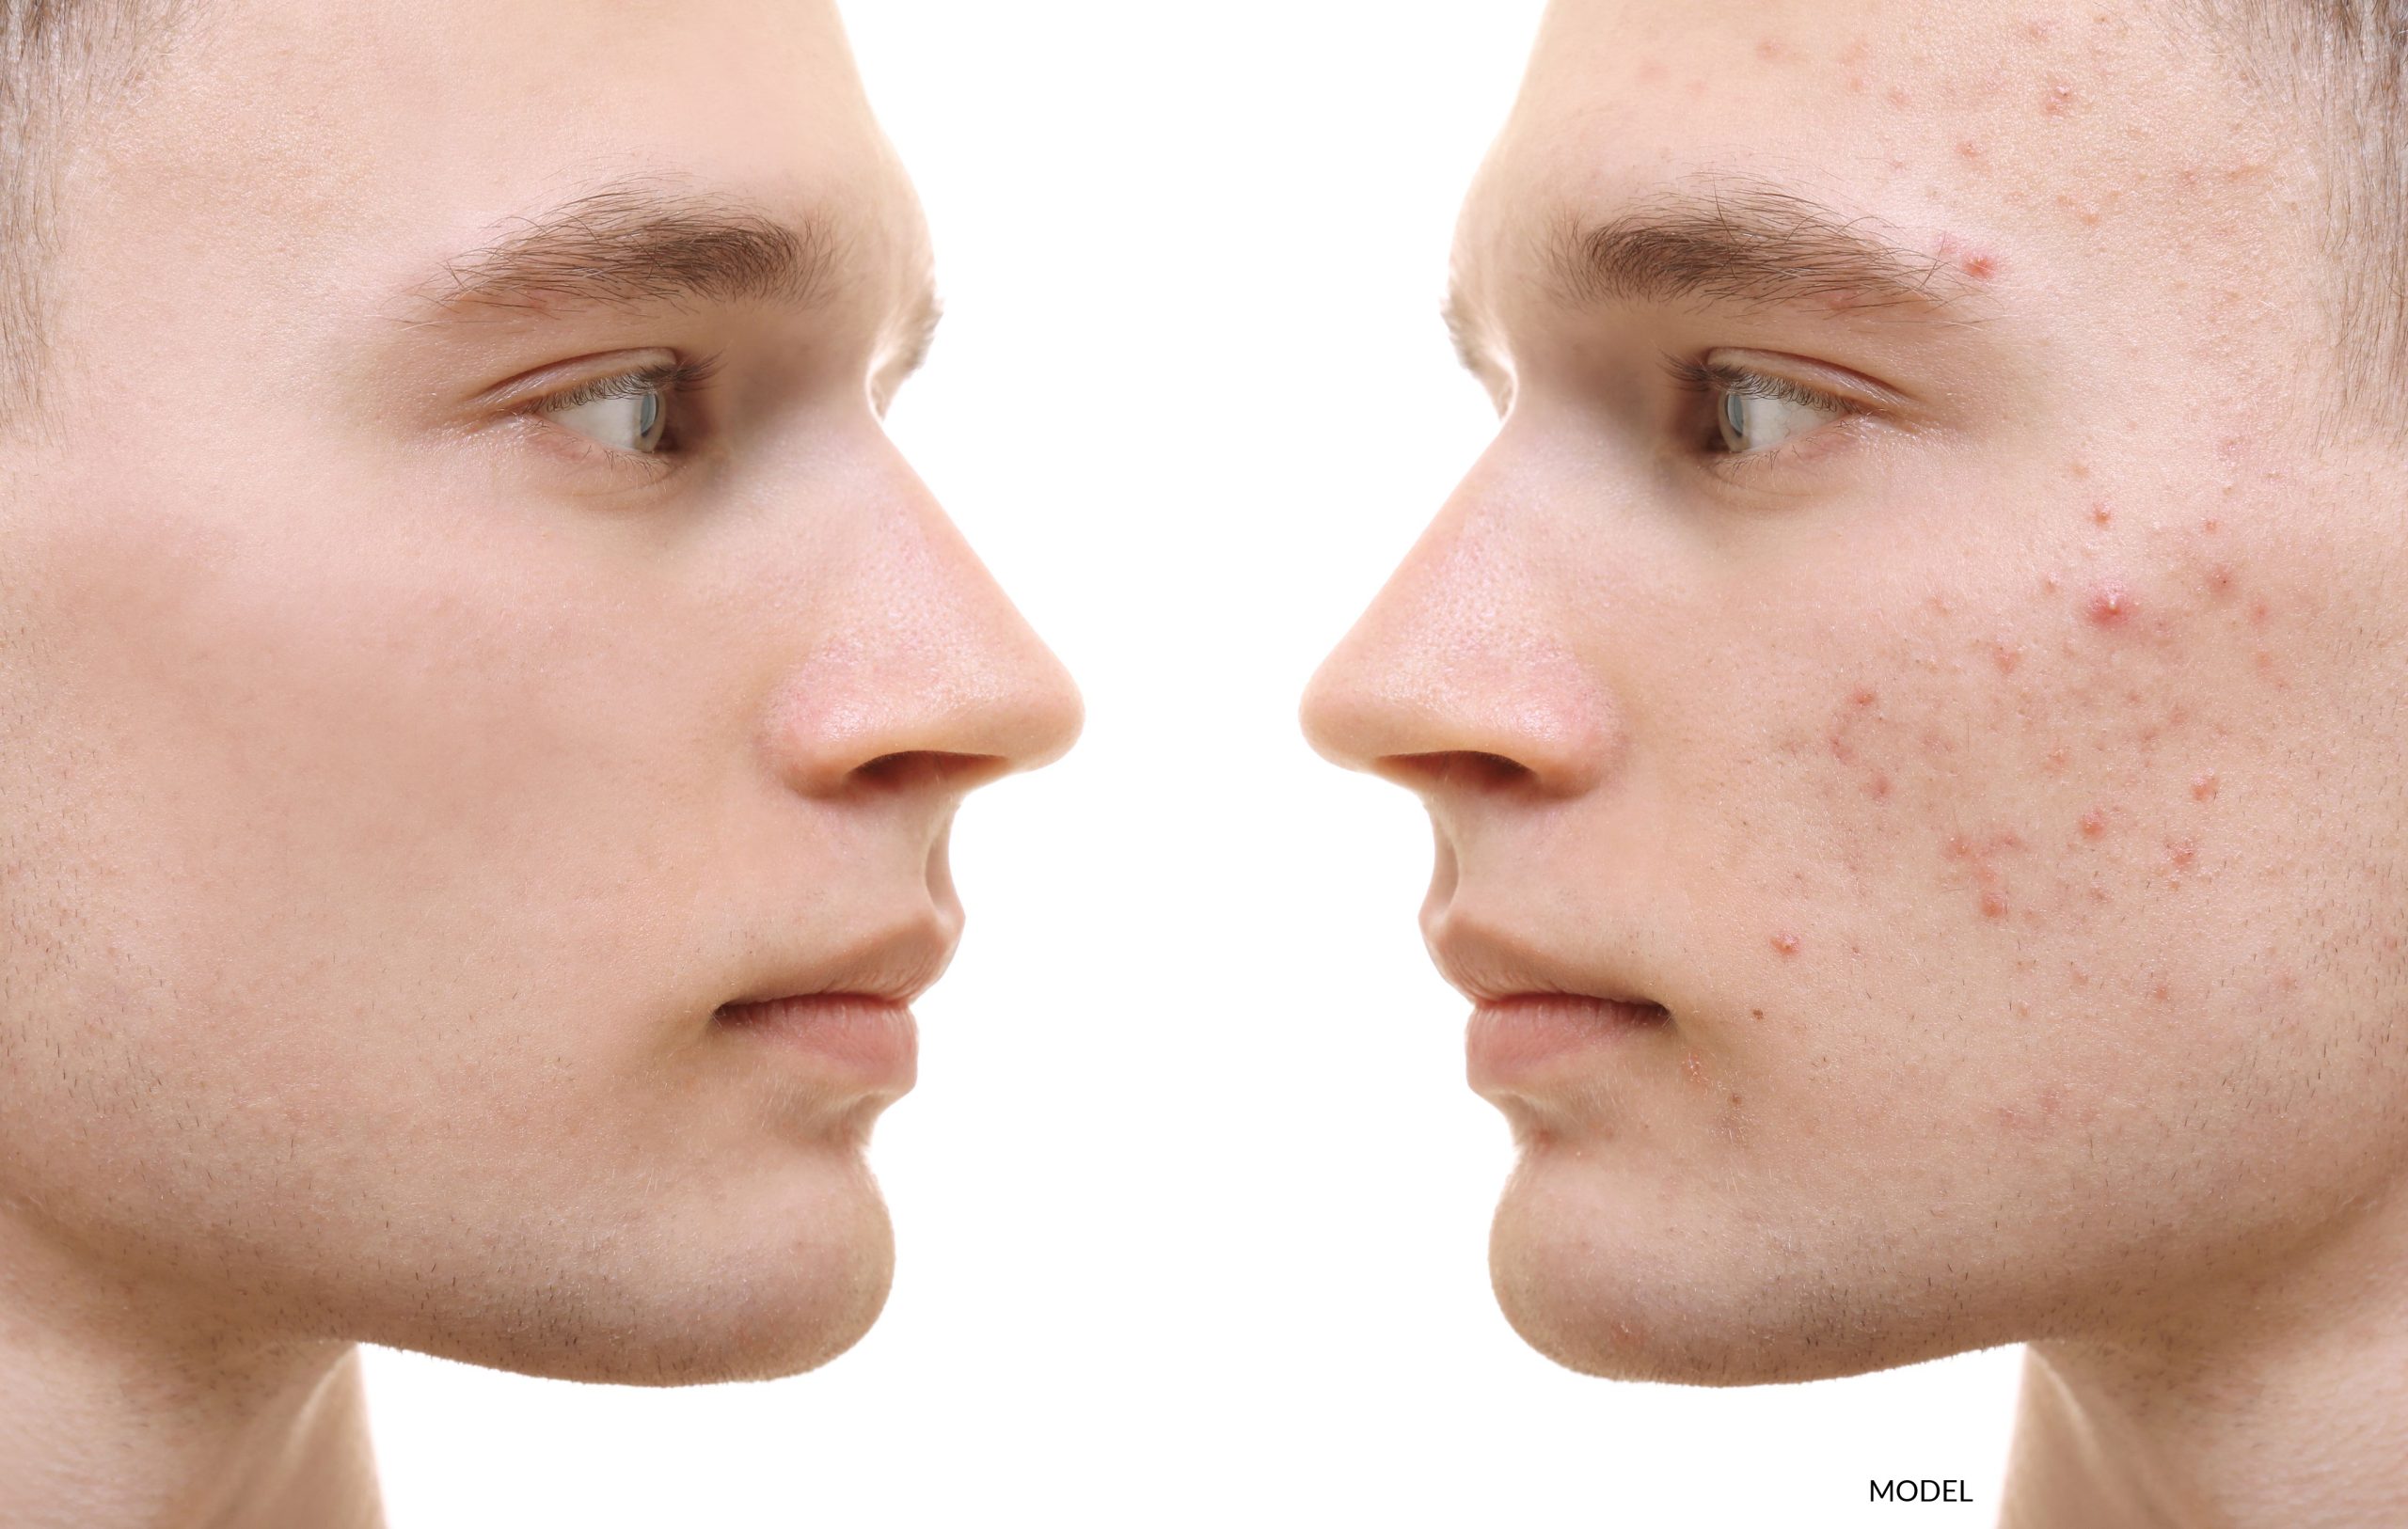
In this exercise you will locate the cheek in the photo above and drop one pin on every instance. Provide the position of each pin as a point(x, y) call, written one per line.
point(2044, 820)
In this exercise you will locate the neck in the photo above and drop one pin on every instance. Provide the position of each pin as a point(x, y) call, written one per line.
point(120, 1407)
point(2281, 1400)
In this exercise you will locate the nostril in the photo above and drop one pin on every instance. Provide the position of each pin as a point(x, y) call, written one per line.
point(1471, 768)
point(913, 768)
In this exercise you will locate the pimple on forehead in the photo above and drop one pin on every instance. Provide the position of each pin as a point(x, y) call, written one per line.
point(1978, 263)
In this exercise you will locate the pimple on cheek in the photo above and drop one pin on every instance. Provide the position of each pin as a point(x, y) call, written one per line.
point(1784, 942)
point(2109, 603)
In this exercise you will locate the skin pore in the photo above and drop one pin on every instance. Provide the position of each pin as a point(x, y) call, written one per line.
point(466, 635)
point(1920, 637)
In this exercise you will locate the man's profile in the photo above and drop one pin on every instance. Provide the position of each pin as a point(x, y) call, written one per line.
point(1909, 704)
point(481, 707)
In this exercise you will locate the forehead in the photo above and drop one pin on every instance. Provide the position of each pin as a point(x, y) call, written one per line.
point(2033, 139)
point(332, 148)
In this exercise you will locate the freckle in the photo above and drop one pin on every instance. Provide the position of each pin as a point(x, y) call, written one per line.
point(1993, 905)
point(2093, 823)
point(1755, 1014)
point(1735, 1101)
point(2110, 603)
point(2100, 513)
point(2078, 468)
point(1785, 942)
point(2204, 788)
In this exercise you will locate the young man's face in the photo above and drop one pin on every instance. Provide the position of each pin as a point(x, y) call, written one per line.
point(422, 720)
point(1908, 630)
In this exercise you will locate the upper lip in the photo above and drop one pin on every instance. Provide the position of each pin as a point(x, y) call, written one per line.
point(1487, 963)
point(895, 963)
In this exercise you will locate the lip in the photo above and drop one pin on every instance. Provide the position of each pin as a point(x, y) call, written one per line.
point(869, 1041)
point(1522, 1038)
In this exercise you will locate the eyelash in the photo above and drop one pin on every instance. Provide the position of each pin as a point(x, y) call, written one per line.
point(1713, 381)
point(678, 383)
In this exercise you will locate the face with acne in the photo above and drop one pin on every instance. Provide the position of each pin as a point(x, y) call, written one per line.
point(1916, 629)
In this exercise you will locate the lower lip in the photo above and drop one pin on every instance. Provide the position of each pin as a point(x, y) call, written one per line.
point(1519, 1039)
point(865, 1038)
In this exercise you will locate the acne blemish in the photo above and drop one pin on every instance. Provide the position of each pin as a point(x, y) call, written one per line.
point(2203, 787)
point(2110, 603)
point(2054, 761)
point(2058, 100)
point(1896, 97)
point(2100, 514)
point(2259, 611)
point(2162, 992)
point(1878, 786)
point(1755, 1014)
point(1786, 943)
point(2005, 654)
point(2081, 978)
point(1862, 697)
point(1993, 904)
point(2094, 824)
point(2181, 851)
point(1693, 1070)
point(2212, 525)
point(2220, 580)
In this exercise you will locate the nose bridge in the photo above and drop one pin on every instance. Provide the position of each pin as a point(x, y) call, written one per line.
point(1470, 647)
point(917, 650)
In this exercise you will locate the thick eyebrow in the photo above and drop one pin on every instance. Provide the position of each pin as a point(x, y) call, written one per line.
point(1743, 244)
point(1747, 245)
point(636, 245)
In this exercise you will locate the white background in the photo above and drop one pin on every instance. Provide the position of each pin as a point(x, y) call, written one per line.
point(1190, 1200)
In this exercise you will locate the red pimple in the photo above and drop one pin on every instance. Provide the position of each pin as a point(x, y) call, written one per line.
point(1993, 905)
point(2258, 610)
point(2160, 992)
point(2220, 580)
point(1785, 942)
point(2055, 759)
point(2110, 604)
point(2212, 525)
point(2181, 851)
point(1979, 267)
point(2100, 513)
point(1878, 786)
point(2005, 654)
point(2059, 98)
point(2093, 823)
point(1862, 697)
point(2203, 789)
point(2081, 978)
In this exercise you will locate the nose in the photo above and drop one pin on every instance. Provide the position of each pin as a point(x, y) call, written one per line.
point(919, 669)
point(1465, 670)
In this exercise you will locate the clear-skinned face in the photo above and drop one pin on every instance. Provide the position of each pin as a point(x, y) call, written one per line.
point(1909, 644)
point(434, 718)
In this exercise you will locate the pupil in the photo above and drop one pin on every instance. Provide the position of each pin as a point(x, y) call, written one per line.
point(1734, 420)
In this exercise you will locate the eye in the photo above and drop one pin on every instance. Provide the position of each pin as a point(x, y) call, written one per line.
point(623, 422)
point(1753, 413)
point(638, 412)
point(1755, 422)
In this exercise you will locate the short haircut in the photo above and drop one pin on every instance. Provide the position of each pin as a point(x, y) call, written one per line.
point(59, 60)
point(2344, 63)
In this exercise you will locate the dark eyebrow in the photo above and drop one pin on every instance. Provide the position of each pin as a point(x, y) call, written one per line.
point(1746, 243)
point(634, 245)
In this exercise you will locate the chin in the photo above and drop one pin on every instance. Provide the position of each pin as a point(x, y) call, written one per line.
point(676, 1305)
point(1606, 1292)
